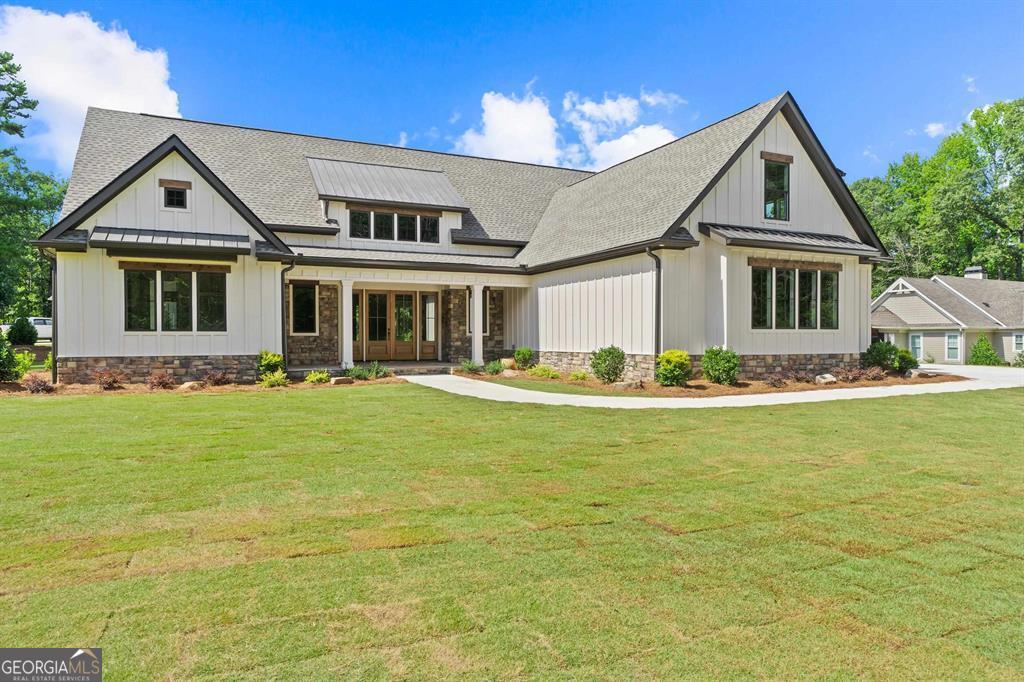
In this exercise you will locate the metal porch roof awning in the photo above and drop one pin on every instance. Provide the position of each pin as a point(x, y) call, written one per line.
point(788, 240)
point(169, 241)
point(386, 185)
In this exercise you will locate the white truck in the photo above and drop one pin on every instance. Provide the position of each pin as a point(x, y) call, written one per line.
point(43, 325)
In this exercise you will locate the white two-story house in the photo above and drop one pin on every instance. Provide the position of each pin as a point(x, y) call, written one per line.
point(192, 245)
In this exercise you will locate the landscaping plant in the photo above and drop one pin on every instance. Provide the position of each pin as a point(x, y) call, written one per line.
point(1019, 360)
point(673, 368)
point(358, 372)
point(578, 375)
point(874, 374)
point(543, 372)
point(493, 367)
point(775, 381)
point(982, 353)
point(22, 333)
point(274, 379)
point(318, 376)
point(160, 380)
point(37, 383)
point(48, 362)
point(23, 362)
point(109, 379)
point(216, 377)
point(904, 361)
point(880, 354)
point(470, 367)
point(608, 364)
point(8, 363)
point(268, 362)
point(378, 371)
point(523, 357)
point(720, 365)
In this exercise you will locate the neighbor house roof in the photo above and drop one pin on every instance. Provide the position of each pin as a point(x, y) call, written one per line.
point(270, 171)
point(956, 306)
point(374, 183)
point(883, 318)
point(1002, 299)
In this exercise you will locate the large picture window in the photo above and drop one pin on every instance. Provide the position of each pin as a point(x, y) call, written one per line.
point(304, 309)
point(176, 301)
point(211, 302)
point(791, 298)
point(140, 300)
point(776, 190)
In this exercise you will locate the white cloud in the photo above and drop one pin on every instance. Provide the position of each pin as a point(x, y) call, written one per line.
point(871, 155)
point(972, 86)
point(454, 118)
point(910, 132)
point(403, 139)
point(660, 98)
point(71, 62)
point(935, 129)
point(641, 139)
point(513, 128)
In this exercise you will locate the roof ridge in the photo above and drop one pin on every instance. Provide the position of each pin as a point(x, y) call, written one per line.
point(341, 139)
point(370, 163)
point(679, 139)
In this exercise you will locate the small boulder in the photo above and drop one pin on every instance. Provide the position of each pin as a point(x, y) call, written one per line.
point(339, 381)
point(508, 363)
point(191, 386)
point(627, 385)
point(824, 379)
point(509, 373)
point(917, 373)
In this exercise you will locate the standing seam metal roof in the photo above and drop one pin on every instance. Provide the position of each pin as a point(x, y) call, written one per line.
point(384, 184)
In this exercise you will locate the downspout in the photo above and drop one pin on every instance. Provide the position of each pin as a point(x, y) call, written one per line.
point(284, 316)
point(53, 315)
point(657, 301)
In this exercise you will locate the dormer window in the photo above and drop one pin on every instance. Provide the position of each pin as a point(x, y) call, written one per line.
point(394, 224)
point(776, 185)
point(175, 193)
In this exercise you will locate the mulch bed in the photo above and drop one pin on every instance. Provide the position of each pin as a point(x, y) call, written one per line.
point(699, 388)
point(10, 388)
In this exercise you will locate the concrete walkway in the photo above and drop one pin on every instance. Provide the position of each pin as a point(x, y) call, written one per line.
point(979, 378)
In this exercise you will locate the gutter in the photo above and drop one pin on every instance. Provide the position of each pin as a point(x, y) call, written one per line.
point(657, 300)
point(284, 318)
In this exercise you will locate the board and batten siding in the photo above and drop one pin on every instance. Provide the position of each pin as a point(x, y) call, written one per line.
point(90, 310)
point(140, 205)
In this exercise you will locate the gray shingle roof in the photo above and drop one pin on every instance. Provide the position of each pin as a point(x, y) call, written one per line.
point(270, 173)
point(951, 303)
point(384, 184)
point(128, 238)
point(638, 200)
point(1002, 299)
point(757, 236)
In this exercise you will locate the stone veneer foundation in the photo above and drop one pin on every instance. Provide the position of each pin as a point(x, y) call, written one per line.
point(641, 367)
point(240, 368)
point(456, 343)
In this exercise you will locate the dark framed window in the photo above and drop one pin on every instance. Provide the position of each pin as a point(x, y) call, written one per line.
point(383, 225)
point(304, 312)
point(808, 293)
point(761, 298)
point(140, 300)
point(356, 299)
point(406, 228)
point(785, 298)
point(776, 190)
point(175, 301)
point(175, 197)
point(211, 301)
point(359, 224)
point(830, 300)
point(430, 229)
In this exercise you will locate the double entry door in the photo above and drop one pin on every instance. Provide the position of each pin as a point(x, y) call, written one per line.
point(396, 325)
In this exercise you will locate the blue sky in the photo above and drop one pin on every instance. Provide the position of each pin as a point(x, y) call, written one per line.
point(583, 86)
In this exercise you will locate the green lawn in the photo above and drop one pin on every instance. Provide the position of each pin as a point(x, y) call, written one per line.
point(558, 387)
point(393, 530)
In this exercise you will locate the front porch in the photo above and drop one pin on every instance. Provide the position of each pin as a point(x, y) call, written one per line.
point(400, 368)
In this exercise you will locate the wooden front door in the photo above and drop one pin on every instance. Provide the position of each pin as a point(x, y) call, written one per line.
point(403, 328)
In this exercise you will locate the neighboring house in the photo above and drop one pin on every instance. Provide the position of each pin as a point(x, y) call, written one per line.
point(192, 245)
point(940, 319)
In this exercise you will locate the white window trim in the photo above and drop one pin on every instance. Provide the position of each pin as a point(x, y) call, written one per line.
point(291, 311)
point(487, 312)
point(959, 352)
point(160, 331)
point(920, 346)
point(1018, 343)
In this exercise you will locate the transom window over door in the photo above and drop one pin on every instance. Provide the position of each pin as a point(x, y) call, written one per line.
point(792, 295)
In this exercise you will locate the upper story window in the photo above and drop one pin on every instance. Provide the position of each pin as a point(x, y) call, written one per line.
point(790, 295)
point(776, 185)
point(392, 225)
point(175, 193)
point(177, 290)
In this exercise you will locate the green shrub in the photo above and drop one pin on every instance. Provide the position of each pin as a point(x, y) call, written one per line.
point(471, 367)
point(1019, 360)
point(720, 365)
point(37, 383)
point(8, 364)
point(543, 372)
point(318, 376)
point(523, 357)
point(378, 371)
point(268, 362)
point(881, 354)
point(493, 367)
point(982, 353)
point(904, 360)
point(673, 368)
point(22, 333)
point(358, 372)
point(48, 362)
point(23, 363)
point(273, 379)
point(608, 364)
point(578, 375)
